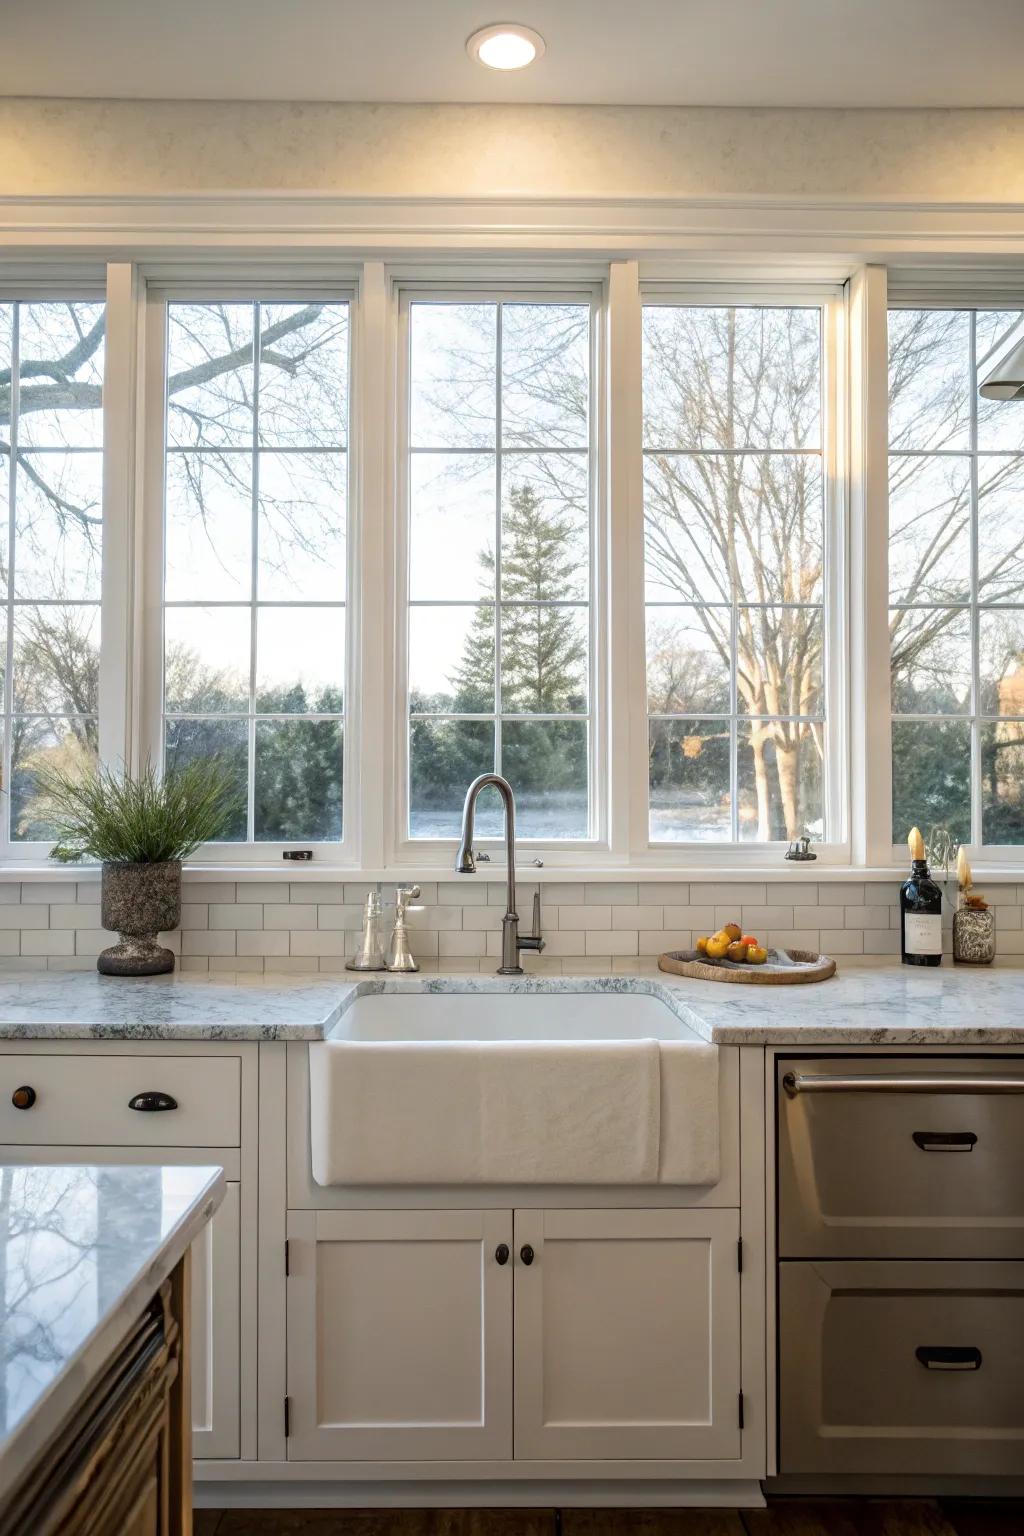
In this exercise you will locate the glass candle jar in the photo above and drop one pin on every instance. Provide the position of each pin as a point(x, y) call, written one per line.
point(974, 936)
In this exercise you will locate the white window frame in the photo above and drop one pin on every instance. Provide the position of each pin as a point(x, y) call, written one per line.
point(831, 300)
point(79, 286)
point(148, 739)
point(468, 286)
point(981, 291)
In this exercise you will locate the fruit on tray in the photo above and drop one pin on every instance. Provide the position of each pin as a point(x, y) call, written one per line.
point(730, 943)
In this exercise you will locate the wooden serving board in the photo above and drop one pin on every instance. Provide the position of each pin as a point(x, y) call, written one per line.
point(783, 968)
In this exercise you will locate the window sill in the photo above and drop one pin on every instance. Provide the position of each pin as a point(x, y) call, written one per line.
point(314, 874)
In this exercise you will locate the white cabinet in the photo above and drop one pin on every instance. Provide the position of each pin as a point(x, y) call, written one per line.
point(400, 1335)
point(215, 1333)
point(626, 1327)
point(627, 1334)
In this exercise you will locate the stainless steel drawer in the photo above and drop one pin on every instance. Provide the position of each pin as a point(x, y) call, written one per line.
point(901, 1368)
point(901, 1157)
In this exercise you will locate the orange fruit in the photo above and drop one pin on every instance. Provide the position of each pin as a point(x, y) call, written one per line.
point(737, 950)
point(733, 930)
point(702, 944)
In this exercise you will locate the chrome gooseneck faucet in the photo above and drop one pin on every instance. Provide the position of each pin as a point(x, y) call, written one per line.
point(512, 941)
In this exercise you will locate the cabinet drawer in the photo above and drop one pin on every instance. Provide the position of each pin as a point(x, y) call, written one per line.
point(87, 1100)
point(906, 1367)
point(901, 1157)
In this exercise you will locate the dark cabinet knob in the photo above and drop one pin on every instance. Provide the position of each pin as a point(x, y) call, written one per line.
point(501, 1253)
point(23, 1097)
point(150, 1102)
point(526, 1253)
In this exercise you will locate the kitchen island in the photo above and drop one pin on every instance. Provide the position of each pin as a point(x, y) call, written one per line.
point(94, 1431)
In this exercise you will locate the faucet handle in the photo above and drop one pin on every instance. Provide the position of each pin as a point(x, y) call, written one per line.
point(403, 895)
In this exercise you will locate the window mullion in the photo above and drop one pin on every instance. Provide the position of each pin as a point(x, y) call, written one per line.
point(5, 836)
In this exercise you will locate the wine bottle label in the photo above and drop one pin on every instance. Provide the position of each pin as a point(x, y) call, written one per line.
point(922, 935)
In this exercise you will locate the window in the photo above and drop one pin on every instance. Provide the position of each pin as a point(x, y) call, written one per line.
point(956, 579)
point(734, 482)
point(254, 556)
point(51, 469)
point(499, 562)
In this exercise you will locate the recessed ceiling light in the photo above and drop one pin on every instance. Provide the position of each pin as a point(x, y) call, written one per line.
point(505, 45)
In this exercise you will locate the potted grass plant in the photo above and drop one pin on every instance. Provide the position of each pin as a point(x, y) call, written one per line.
point(139, 827)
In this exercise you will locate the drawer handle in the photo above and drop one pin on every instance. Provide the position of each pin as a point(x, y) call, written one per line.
point(907, 1082)
point(526, 1254)
point(151, 1102)
point(945, 1141)
point(940, 1357)
point(23, 1097)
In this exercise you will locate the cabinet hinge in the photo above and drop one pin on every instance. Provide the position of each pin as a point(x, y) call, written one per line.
point(741, 1410)
point(739, 1255)
point(287, 1257)
point(287, 1417)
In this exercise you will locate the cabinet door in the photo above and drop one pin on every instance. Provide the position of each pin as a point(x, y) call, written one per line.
point(215, 1333)
point(627, 1334)
point(399, 1335)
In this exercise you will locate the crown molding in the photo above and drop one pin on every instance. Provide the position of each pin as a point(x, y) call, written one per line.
point(854, 229)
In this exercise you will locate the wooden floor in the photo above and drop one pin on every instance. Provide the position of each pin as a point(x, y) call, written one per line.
point(788, 1517)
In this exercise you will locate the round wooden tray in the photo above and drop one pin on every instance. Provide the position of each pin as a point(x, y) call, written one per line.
point(783, 968)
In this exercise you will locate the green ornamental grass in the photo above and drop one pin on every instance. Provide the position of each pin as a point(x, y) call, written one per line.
point(138, 819)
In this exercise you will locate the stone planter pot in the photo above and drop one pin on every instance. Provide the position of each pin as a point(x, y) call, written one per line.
point(138, 901)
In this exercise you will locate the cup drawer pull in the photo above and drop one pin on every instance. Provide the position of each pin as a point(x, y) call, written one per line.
point(941, 1357)
point(150, 1102)
point(945, 1141)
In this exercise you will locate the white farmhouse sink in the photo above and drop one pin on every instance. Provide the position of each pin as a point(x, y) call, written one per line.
point(513, 1086)
point(510, 1016)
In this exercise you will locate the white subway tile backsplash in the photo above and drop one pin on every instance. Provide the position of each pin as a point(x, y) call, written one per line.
point(701, 919)
point(461, 893)
point(235, 914)
point(656, 941)
point(207, 890)
point(610, 893)
point(204, 942)
point(422, 916)
point(867, 917)
point(10, 942)
point(75, 914)
point(334, 916)
point(490, 917)
point(10, 893)
point(48, 941)
point(637, 917)
point(451, 943)
point(734, 894)
point(277, 914)
point(195, 914)
point(613, 942)
point(818, 917)
point(315, 891)
point(39, 893)
point(584, 917)
point(663, 893)
point(263, 943)
point(792, 938)
point(319, 941)
point(24, 917)
point(756, 919)
point(841, 941)
point(236, 963)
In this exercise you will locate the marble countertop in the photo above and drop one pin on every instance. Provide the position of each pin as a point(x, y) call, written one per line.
point(82, 1250)
point(864, 1004)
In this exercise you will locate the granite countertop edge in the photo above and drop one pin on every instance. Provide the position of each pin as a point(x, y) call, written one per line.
point(28, 1440)
point(865, 1004)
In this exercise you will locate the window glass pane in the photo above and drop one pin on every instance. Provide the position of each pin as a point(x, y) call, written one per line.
point(300, 661)
point(689, 654)
point(690, 796)
point(545, 375)
point(208, 527)
point(543, 659)
point(256, 553)
point(298, 780)
point(453, 375)
point(930, 660)
point(956, 571)
point(300, 527)
point(779, 780)
point(452, 527)
point(726, 378)
point(303, 396)
point(930, 388)
point(210, 375)
point(512, 524)
point(227, 740)
point(931, 777)
point(51, 490)
point(444, 758)
point(734, 569)
point(42, 743)
point(1002, 781)
point(451, 660)
point(60, 375)
point(547, 762)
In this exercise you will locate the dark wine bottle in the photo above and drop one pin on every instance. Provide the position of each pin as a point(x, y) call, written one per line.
point(920, 911)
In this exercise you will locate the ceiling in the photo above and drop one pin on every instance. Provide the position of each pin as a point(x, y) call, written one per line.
point(795, 53)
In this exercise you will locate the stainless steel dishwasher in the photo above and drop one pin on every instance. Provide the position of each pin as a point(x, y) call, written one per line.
point(901, 1265)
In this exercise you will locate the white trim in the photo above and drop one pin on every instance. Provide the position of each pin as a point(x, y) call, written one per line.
point(120, 397)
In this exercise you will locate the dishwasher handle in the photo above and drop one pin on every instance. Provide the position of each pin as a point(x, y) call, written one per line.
point(902, 1082)
point(939, 1357)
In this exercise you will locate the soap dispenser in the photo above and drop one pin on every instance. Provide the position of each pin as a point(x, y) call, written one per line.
point(370, 954)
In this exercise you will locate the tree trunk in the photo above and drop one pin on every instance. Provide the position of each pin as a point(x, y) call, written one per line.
point(764, 816)
point(786, 761)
